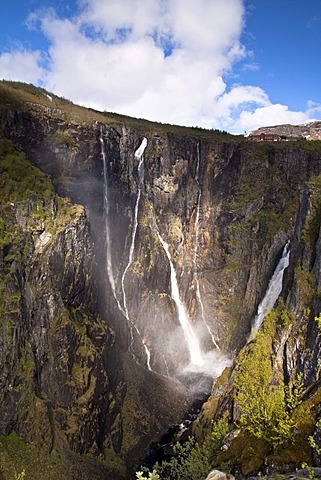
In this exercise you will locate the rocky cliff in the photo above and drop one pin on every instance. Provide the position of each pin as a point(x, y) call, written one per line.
point(93, 345)
point(272, 396)
point(309, 131)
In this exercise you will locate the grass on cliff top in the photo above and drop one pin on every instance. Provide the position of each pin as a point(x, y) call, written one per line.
point(20, 95)
point(308, 145)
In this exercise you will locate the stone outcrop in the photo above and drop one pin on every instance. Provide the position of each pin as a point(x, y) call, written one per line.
point(309, 131)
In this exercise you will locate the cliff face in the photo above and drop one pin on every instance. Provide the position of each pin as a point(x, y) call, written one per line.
point(54, 344)
point(278, 372)
point(214, 211)
point(67, 385)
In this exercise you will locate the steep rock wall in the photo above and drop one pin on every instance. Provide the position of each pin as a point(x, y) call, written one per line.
point(225, 208)
point(245, 199)
point(67, 387)
point(291, 336)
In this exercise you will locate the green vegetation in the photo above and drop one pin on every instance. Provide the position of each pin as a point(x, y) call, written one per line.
point(264, 402)
point(60, 136)
point(313, 443)
point(18, 178)
point(310, 146)
point(20, 461)
point(27, 194)
point(260, 398)
point(151, 476)
point(307, 145)
point(190, 460)
point(313, 220)
point(318, 321)
point(21, 475)
point(305, 289)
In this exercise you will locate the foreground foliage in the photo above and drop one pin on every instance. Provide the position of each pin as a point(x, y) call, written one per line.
point(190, 460)
point(265, 403)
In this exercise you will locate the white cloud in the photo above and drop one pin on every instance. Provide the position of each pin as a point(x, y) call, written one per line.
point(164, 60)
point(21, 65)
point(313, 107)
point(137, 18)
point(117, 56)
point(132, 75)
point(275, 114)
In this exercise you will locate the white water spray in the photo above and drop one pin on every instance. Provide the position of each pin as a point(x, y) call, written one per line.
point(194, 349)
point(198, 291)
point(273, 291)
point(139, 155)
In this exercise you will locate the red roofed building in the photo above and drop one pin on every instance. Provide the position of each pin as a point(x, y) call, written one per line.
point(265, 137)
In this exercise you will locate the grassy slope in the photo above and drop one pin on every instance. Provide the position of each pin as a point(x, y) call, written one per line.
point(19, 95)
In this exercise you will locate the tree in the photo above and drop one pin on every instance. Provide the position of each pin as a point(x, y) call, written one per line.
point(260, 395)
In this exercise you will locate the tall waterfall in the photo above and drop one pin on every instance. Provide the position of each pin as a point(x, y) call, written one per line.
point(193, 345)
point(198, 291)
point(139, 155)
point(110, 271)
point(273, 291)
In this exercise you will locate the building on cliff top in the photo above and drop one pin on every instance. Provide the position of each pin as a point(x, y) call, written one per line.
point(265, 137)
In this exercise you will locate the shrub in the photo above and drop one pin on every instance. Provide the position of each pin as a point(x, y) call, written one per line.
point(189, 461)
point(261, 397)
point(151, 476)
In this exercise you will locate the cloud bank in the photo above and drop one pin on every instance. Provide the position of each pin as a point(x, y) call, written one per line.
point(164, 60)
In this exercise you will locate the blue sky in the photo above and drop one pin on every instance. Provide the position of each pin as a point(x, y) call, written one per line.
point(285, 37)
point(229, 64)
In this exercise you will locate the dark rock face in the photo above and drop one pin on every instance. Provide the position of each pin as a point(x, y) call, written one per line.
point(225, 209)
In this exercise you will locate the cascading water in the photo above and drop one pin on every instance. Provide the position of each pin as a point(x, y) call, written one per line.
point(213, 365)
point(193, 345)
point(198, 291)
point(273, 291)
point(139, 155)
point(110, 271)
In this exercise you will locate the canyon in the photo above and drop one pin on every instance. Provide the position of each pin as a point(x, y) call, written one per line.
point(134, 259)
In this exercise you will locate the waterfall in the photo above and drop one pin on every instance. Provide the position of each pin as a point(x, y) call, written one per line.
point(198, 291)
point(147, 356)
point(139, 155)
point(273, 291)
point(110, 271)
point(194, 349)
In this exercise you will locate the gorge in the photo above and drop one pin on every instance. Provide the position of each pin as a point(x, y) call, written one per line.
point(135, 258)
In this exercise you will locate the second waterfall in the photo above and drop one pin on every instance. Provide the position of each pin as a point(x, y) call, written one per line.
point(192, 341)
